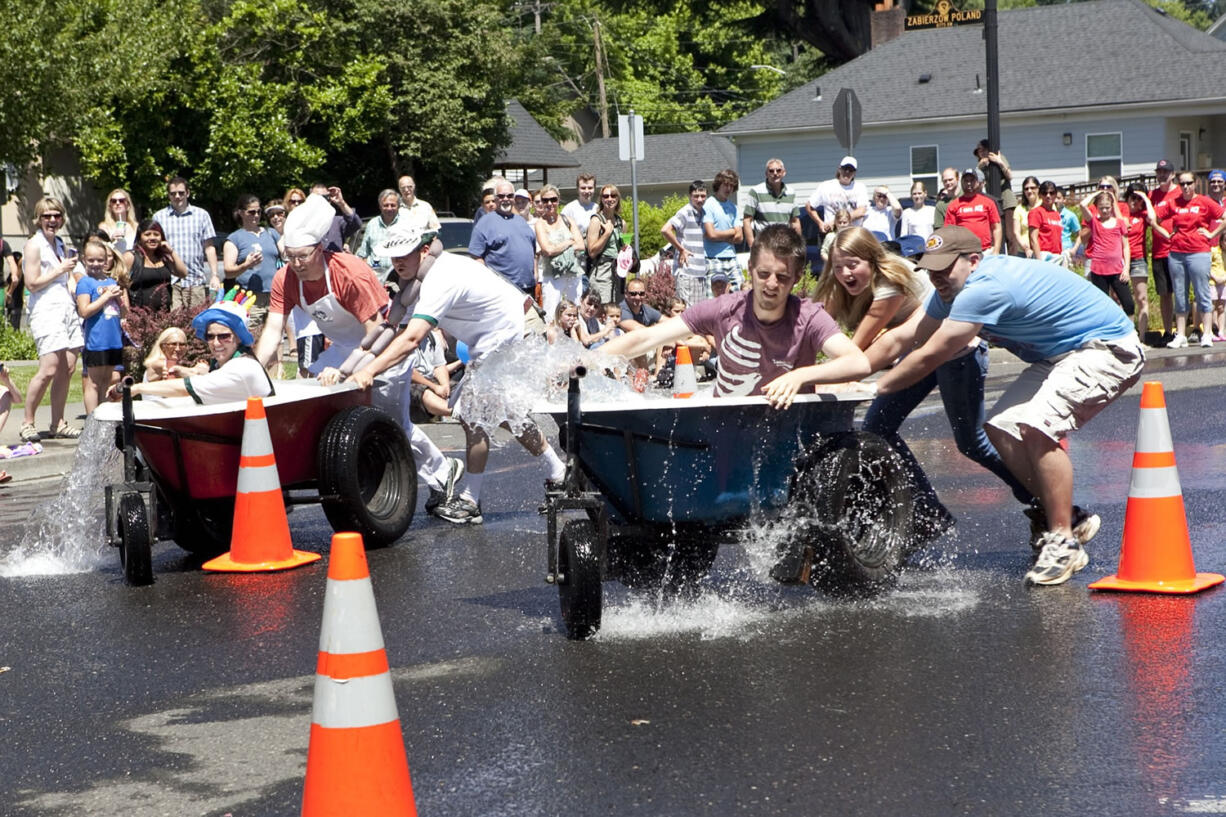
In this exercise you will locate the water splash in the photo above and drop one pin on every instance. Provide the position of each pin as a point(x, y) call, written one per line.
point(505, 386)
point(67, 535)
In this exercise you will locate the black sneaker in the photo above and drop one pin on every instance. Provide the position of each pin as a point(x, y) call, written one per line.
point(460, 510)
point(435, 499)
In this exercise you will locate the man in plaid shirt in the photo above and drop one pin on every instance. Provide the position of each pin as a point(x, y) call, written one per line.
point(189, 232)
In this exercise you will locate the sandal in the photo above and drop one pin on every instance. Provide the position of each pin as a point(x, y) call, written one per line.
point(66, 432)
point(29, 434)
point(5, 476)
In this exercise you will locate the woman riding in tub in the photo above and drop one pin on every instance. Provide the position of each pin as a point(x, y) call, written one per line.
point(234, 373)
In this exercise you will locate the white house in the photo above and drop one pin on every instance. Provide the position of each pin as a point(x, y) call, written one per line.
point(1086, 89)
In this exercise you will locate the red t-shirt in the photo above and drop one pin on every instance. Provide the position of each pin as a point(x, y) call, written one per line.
point(1107, 252)
point(1160, 245)
point(1051, 231)
point(355, 285)
point(1091, 214)
point(1187, 217)
point(976, 213)
point(1136, 236)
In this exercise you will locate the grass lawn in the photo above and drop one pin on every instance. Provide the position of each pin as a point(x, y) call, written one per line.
point(22, 372)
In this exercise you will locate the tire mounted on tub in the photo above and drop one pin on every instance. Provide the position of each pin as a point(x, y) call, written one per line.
point(136, 539)
point(851, 501)
point(367, 480)
point(580, 591)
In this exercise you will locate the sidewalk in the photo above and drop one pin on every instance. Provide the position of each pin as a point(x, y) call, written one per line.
point(57, 456)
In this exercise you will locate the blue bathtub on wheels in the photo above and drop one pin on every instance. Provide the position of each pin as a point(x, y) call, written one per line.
point(653, 487)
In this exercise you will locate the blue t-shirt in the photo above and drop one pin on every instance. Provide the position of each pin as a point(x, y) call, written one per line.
point(257, 279)
point(1035, 309)
point(508, 246)
point(722, 216)
point(102, 330)
point(1070, 226)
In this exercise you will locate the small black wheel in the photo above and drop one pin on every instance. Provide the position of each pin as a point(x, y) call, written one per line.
point(367, 480)
point(580, 592)
point(851, 501)
point(202, 526)
point(136, 543)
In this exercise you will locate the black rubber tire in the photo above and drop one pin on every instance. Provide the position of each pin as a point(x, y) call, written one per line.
point(851, 501)
point(672, 561)
point(580, 589)
point(136, 542)
point(367, 480)
point(203, 526)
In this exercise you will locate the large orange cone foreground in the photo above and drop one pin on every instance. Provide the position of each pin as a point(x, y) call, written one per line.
point(260, 539)
point(1156, 554)
point(685, 383)
point(356, 764)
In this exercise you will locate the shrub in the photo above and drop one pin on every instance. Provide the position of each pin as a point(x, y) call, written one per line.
point(15, 344)
point(661, 289)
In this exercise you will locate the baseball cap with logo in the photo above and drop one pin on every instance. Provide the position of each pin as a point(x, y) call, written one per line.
point(1163, 164)
point(1217, 176)
point(402, 239)
point(973, 171)
point(945, 245)
point(849, 161)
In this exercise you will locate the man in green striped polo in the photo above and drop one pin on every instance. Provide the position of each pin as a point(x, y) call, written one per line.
point(771, 202)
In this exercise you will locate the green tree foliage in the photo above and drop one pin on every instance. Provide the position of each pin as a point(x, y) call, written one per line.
point(682, 67)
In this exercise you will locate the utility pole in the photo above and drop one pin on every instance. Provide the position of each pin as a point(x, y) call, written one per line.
point(604, 100)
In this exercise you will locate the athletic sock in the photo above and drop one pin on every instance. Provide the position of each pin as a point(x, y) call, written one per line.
point(472, 487)
point(555, 469)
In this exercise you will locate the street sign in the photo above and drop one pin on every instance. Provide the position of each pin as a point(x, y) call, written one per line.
point(847, 118)
point(627, 134)
point(944, 16)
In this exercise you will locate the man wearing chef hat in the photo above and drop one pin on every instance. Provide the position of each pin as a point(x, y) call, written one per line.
point(345, 299)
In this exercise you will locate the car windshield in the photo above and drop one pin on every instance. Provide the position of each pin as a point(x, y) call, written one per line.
point(455, 234)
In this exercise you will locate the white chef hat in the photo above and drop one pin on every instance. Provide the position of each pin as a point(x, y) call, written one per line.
point(309, 222)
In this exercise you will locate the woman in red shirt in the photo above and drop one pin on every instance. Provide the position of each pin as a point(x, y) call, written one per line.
point(1140, 215)
point(1196, 222)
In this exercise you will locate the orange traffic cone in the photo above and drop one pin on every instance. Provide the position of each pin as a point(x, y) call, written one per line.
point(685, 383)
point(260, 539)
point(356, 762)
point(1156, 554)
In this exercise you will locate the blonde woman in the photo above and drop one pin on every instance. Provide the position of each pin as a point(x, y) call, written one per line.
point(47, 265)
point(120, 222)
point(869, 291)
point(559, 242)
point(165, 358)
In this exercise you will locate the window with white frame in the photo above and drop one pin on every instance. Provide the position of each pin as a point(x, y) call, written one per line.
point(1104, 155)
point(925, 168)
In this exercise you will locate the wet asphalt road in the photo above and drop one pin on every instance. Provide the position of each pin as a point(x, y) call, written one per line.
point(962, 692)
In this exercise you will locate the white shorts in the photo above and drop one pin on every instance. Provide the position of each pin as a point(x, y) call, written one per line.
point(1058, 395)
point(55, 327)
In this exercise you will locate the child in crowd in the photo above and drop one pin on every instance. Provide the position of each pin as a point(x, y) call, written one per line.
point(1108, 250)
point(1217, 289)
point(430, 390)
point(842, 220)
point(565, 322)
point(594, 327)
point(101, 303)
point(9, 394)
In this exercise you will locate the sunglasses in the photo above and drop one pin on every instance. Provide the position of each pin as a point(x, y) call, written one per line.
point(1187, 183)
point(504, 195)
point(610, 196)
point(176, 344)
point(636, 294)
point(221, 336)
point(553, 200)
point(254, 212)
point(296, 201)
point(52, 216)
point(119, 201)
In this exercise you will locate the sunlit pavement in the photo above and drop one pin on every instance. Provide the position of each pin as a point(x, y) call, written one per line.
point(962, 692)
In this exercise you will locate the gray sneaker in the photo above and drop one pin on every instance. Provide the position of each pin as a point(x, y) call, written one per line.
point(1059, 559)
point(460, 511)
point(455, 470)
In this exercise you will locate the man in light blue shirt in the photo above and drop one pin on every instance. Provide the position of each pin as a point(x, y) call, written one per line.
point(722, 230)
point(1083, 353)
point(189, 232)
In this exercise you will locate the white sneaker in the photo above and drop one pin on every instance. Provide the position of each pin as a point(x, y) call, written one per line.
point(1058, 560)
point(1178, 342)
point(1206, 340)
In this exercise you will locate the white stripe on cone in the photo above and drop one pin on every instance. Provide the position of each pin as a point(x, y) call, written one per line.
point(261, 439)
point(351, 620)
point(354, 703)
point(1155, 483)
point(1154, 432)
point(256, 479)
